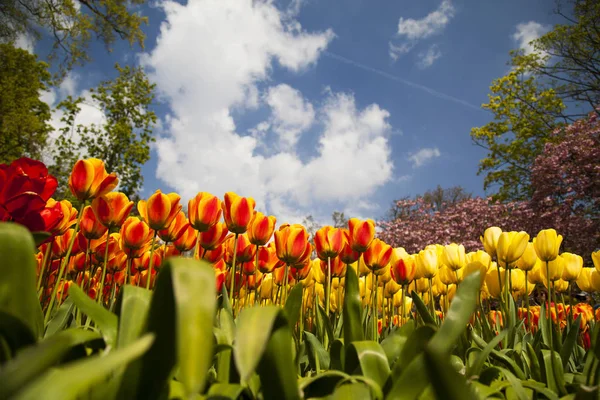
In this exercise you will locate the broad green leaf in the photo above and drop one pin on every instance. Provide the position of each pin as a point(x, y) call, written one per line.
point(422, 309)
point(181, 316)
point(367, 358)
point(544, 327)
point(393, 345)
point(376, 391)
point(316, 352)
point(227, 390)
point(322, 384)
point(18, 296)
point(411, 383)
point(415, 345)
point(39, 237)
point(32, 361)
point(61, 319)
point(77, 379)
point(14, 335)
point(293, 303)
point(570, 342)
point(515, 384)
point(553, 371)
point(263, 343)
point(352, 391)
point(534, 364)
point(104, 319)
point(352, 307)
point(501, 357)
point(540, 388)
point(457, 318)
point(337, 355)
point(446, 382)
point(475, 369)
point(133, 305)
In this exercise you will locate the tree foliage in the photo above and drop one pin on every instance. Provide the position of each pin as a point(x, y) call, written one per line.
point(24, 116)
point(437, 199)
point(71, 25)
point(122, 141)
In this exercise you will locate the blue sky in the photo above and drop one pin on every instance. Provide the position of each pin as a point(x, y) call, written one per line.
point(312, 106)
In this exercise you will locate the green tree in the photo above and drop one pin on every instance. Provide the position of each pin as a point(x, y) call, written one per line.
point(339, 220)
point(438, 199)
point(122, 142)
point(70, 24)
point(24, 116)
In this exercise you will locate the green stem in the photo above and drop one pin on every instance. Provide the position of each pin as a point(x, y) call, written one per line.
point(100, 293)
point(529, 322)
point(328, 286)
point(232, 283)
point(196, 252)
point(285, 284)
point(151, 263)
point(431, 302)
point(375, 331)
point(63, 265)
point(44, 262)
point(402, 307)
point(549, 316)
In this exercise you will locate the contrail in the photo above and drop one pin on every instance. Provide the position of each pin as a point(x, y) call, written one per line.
point(429, 90)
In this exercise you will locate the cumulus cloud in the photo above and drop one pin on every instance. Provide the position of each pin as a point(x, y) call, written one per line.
point(423, 156)
point(235, 43)
point(25, 41)
point(526, 32)
point(413, 30)
point(427, 58)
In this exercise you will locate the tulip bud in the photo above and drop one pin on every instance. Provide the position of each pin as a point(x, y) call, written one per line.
point(237, 212)
point(89, 179)
point(511, 246)
point(260, 228)
point(112, 209)
point(428, 263)
point(528, 259)
point(546, 244)
point(573, 266)
point(378, 255)
point(160, 210)
point(204, 211)
point(490, 240)
point(362, 234)
point(454, 256)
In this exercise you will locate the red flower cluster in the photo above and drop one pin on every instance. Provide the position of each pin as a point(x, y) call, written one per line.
point(25, 187)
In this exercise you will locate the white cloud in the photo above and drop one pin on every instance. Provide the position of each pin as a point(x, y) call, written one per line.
point(423, 156)
point(291, 114)
point(25, 41)
point(526, 32)
point(413, 30)
point(204, 149)
point(427, 58)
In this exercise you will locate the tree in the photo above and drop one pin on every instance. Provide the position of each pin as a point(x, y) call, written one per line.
point(311, 226)
point(339, 220)
point(122, 142)
point(524, 117)
point(567, 58)
point(24, 116)
point(431, 201)
point(71, 24)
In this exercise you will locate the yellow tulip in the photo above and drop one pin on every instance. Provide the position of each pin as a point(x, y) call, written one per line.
point(561, 286)
point(547, 244)
point(480, 256)
point(447, 276)
point(517, 281)
point(473, 267)
point(585, 280)
point(595, 280)
point(422, 285)
point(454, 256)
point(490, 240)
point(596, 259)
point(535, 275)
point(553, 270)
point(428, 262)
point(528, 259)
point(491, 281)
point(573, 266)
point(511, 246)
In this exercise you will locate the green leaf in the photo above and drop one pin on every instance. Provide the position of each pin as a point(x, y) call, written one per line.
point(570, 341)
point(368, 359)
point(544, 327)
point(352, 306)
point(322, 384)
point(40, 237)
point(293, 304)
point(76, 379)
point(475, 369)
point(61, 319)
point(411, 383)
point(337, 355)
point(534, 364)
point(415, 345)
point(422, 309)
point(35, 360)
point(316, 351)
point(181, 316)
point(515, 384)
point(104, 319)
point(227, 390)
point(553, 371)
point(457, 318)
point(447, 383)
point(501, 357)
point(352, 391)
point(18, 296)
point(394, 343)
point(540, 388)
point(263, 343)
point(133, 305)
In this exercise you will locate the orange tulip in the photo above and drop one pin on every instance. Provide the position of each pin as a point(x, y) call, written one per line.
point(347, 255)
point(213, 237)
point(112, 209)
point(89, 226)
point(291, 244)
point(160, 210)
point(187, 240)
point(260, 228)
point(267, 259)
point(204, 211)
point(214, 256)
point(329, 242)
point(403, 267)
point(69, 215)
point(60, 245)
point(237, 212)
point(175, 229)
point(300, 271)
point(135, 235)
point(338, 267)
point(361, 234)
point(245, 250)
point(98, 247)
point(89, 179)
point(377, 255)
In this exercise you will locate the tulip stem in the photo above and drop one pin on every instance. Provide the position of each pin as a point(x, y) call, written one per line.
point(151, 263)
point(402, 307)
point(285, 284)
point(232, 270)
point(63, 265)
point(328, 286)
point(375, 330)
point(571, 301)
point(196, 249)
point(100, 293)
point(549, 316)
point(529, 322)
point(44, 262)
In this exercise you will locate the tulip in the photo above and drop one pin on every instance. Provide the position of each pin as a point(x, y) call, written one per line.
point(490, 240)
point(89, 179)
point(160, 210)
point(428, 263)
point(213, 237)
point(454, 256)
point(260, 228)
point(403, 266)
point(204, 211)
point(135, 235)
point(473, 267)
point(547, 244)
point(554, 270)
point(481, 256)
point(237, 212)
point(338, 267)
point(291, 243)
point(112, 209)
point(176, 229)
point(301, 271)
point(510, 247)
point(214, 256)
point(595, 281)
point(573, 266)
point(187, 240)
point(90, 227)
point(446, 276)
point(69, 216)
point(494, 287)
point(596, 259)
point(378, 255)
point(329, 242)
point(347, 255)
point(267, 259)
point(244, 251)
point(528, 259)
point(584, 282)
point(362, 234)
